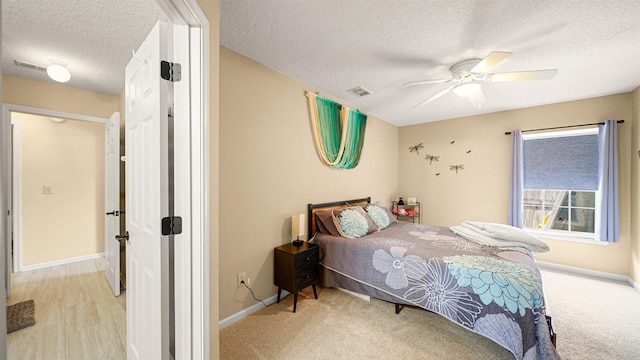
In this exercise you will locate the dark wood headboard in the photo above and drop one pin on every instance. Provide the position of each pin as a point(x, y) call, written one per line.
point(312, 208)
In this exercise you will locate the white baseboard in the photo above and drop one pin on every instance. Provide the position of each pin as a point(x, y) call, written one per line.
point(271, 300)
point(61, 262)
point(248, 311)
point(594, 273)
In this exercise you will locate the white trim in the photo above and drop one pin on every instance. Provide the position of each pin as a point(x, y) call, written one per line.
point(272, 300)
point(182, 193)
point(562, 133)
point(200, 180)
point(593, 273)
point(53, 113)
point(7, 173)
point(200, 200)
point(566, 236)
point(49, 264)
point(188, 12)
point(250, 310)
point(16, 216)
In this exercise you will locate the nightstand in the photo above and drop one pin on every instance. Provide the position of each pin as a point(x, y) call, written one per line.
point(296, 268)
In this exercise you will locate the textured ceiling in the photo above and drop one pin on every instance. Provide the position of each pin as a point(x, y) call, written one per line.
point(94, 37)
point(335, 45)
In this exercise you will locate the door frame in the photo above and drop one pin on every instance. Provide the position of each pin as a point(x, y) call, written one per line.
point(16, 196)
point(17, 170)
point(196, 263)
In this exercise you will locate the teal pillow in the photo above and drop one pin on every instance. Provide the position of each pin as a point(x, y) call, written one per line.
point(380, 215)
point(353, 222)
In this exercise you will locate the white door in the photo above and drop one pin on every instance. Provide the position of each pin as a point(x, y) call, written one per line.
point(146, 201)
point(112, 201)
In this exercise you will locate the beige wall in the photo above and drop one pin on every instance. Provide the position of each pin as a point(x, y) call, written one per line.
point(634, 255)
point(19, 91)
point(481, 190)
point(269, 169)
point(69, 157)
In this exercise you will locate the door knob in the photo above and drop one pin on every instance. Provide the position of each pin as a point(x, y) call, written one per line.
point(114, 212)
point(120, 238)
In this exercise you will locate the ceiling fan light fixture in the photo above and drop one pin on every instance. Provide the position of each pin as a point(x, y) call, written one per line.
point(58, 71)
point(466, 89)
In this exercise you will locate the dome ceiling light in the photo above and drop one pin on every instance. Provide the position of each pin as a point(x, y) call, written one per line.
point(58, 71)
point(466, 89)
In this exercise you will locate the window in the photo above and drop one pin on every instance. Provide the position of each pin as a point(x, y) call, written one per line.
point(560, 173)
point(564, 210)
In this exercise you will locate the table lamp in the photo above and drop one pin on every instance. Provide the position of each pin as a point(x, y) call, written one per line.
point(297, 228)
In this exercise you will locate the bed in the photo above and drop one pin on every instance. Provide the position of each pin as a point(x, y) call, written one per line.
point(495, 292)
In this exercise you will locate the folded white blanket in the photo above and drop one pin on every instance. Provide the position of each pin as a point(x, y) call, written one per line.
point(499, 235)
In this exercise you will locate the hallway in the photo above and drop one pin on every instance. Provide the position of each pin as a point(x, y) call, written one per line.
point(77, 316)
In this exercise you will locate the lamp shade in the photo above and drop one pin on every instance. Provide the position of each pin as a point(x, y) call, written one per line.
point(297, 225)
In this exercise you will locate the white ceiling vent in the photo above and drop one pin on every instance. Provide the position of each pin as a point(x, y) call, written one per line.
point(25, 65)
point(359, 91)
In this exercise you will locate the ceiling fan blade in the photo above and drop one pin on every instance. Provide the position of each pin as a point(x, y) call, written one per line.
point(424, 82)
point(477, 99)
point(437, 95)
point(523, 75)
point(491, 61)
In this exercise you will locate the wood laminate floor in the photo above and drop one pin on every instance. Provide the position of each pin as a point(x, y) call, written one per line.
point(77, 316)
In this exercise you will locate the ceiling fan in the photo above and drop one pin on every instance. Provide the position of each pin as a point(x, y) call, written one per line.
point(467, 75)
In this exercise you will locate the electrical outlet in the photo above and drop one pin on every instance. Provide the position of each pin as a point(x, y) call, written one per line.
point(242, 277)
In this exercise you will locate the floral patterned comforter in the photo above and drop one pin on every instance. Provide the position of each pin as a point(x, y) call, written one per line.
point(493, 292)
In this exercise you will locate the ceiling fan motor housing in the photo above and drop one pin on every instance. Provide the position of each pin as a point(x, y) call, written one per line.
point(462, 71)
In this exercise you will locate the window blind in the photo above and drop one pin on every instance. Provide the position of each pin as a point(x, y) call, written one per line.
point(561, 163)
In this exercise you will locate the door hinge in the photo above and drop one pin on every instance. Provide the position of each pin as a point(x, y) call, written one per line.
point(172, 225)
point(170, 71)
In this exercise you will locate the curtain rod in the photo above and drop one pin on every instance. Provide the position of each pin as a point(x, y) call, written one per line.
point(316, 94)
point(564, 127)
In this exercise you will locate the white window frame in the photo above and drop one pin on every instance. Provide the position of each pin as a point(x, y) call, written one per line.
point(568, 234)
point(590, 238)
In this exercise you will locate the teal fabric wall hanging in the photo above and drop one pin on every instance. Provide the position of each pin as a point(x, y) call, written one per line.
point(338, 132)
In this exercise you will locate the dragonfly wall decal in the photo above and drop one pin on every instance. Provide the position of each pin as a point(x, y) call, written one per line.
point(456, 167)
point(432, 158)
point(416, 148)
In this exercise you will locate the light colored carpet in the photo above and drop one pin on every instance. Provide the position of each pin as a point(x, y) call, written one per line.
point(594, 319)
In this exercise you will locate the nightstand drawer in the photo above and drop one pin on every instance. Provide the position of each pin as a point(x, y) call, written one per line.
point(307, 258)
point(306, 277)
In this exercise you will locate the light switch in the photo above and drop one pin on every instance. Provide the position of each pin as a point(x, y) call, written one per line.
point(47, 189)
